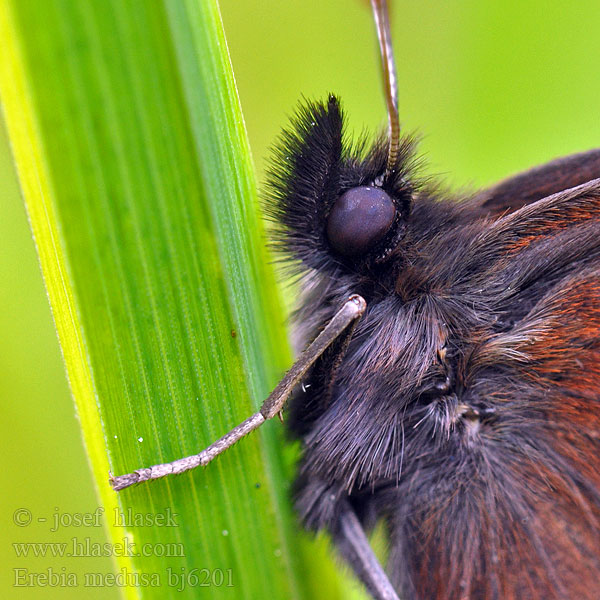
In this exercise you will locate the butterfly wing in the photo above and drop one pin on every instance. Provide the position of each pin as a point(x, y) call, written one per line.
point(537, 183)
point(522, 518)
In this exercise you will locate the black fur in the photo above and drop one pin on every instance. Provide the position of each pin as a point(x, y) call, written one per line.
point(441, 416)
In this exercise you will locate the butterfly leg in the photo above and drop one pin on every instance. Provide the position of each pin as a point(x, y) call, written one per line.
point(354, 546)
point(352, 310)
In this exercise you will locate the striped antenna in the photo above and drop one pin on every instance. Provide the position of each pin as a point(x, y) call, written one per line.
point(390, 78)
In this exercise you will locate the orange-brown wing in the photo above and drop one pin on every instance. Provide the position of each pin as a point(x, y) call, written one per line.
point(534, 245)
point(522, 515)
point(524, 520)
point(537, 183)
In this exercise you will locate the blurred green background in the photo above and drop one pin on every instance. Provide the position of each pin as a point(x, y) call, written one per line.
point(494, 87)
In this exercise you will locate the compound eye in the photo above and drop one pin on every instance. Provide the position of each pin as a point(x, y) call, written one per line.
point(359, 219)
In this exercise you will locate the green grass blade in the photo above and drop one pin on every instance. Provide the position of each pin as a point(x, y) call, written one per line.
point(139, 186)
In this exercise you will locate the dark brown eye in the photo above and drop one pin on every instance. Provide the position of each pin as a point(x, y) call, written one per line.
point(359, 219)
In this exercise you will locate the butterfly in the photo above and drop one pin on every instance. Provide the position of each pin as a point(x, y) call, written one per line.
point(451, 376)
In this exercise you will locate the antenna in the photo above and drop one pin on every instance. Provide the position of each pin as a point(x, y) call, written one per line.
point(390, 78)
